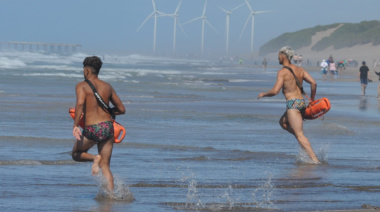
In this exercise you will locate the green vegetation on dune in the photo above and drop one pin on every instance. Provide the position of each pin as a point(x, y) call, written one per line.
point(347, 35)
point(296, 40)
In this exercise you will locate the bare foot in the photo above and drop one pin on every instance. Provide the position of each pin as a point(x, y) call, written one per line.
point(95, 165)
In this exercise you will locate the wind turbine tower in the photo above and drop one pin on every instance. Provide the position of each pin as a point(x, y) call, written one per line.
point(228, 13)
point(252, 16)
point(204, 20)
point(156, 13)
point(175, 15)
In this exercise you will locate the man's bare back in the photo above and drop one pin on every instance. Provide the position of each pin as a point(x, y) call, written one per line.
point(94, 113)
point(290, 88)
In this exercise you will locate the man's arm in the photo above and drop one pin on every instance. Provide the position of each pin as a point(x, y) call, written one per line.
point(313, 85)
point(119, 107)
point(81, 97)
point(368, 76)
point(276, 88)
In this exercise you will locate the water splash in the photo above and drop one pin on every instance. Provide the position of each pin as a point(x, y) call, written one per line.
point(228, 200)
point(304, 159)
point(262, 196)
point(193, 197)
point(228, 195)
point(121, 191)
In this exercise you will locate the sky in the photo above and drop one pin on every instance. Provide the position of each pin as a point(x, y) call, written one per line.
point(111, 25)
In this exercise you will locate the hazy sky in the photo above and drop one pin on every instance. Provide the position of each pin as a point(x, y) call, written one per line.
point(112, 24)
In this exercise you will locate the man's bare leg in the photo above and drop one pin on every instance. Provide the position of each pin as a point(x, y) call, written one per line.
point(95, 165)
point(363, 89)
point(292, 122)
point(80, 149)
point(80, 154)
point(105, 151)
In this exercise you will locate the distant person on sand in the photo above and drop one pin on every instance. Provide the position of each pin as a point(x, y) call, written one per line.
point(292, 119)
point(378, 87)
point(324, 66)
point(364, 77)
point(98, 125)
point(264, 63)
point(300, 59)
point(295, 59)
point(332, 69)
point(342, 66)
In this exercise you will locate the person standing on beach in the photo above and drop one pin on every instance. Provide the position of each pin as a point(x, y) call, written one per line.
point(265, 63)
point(98, 125)
point(332, 68)
point(292, 119)
point(324, 66)
point(364, 77)
point(295, 58)
point(300, 59)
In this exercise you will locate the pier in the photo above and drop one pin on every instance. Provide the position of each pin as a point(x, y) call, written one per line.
point(40, 47)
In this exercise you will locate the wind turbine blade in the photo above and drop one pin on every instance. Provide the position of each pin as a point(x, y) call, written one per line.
point(192, 20)
point(238, 7)
point(150, 16)
point(154, 5)
point(204, 9)
point(245, 25)
point(248, 5)
point(163, 14)
point(208, 23)
point(180, 26)
point(226, 11)
point(176, 11)
point(269, 11)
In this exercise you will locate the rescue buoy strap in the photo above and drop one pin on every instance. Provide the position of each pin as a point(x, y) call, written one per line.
point(297, 81)
point(100, 100)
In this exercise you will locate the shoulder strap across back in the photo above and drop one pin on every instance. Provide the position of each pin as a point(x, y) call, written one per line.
point(297, 81)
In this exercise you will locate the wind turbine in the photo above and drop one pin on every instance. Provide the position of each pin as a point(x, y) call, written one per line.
point(228, 13)
point(204, 20)
point(252, 16)
point(175, 15)
point(156, 13)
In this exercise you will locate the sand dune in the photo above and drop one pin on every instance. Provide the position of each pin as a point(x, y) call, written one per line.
point(366, 52)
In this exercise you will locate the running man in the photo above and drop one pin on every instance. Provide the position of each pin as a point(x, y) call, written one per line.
point(292, 119)
point(98, 125)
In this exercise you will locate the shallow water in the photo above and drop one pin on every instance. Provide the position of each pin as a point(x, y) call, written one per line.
point(197, 140)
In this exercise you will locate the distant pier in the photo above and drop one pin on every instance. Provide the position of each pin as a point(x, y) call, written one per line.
point(40, 47)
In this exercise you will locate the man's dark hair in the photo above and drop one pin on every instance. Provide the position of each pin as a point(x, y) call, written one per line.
point(94, 62)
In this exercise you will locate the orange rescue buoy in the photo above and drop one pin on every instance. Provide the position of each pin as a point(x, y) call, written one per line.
point(119, 130)
point(317, 108)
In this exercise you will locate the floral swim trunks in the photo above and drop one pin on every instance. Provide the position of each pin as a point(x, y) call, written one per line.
point(298, 104)
point(99, 132)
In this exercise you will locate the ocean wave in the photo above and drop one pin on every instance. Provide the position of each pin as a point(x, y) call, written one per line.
point(53, 75)
point(166, 146)
point(218, 207)
point(7, 63)
point(336, 129)
point(32, 139)
point(36, 162)
point(16, 59)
